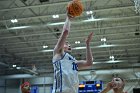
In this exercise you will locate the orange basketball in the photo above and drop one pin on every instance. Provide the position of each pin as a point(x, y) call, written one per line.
point(75, 8)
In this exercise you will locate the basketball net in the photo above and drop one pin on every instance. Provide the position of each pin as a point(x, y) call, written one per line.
point(137, 6)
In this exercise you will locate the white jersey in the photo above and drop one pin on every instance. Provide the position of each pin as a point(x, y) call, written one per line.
point(65, 75)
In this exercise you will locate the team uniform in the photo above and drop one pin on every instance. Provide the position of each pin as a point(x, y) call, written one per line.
point(65, 75)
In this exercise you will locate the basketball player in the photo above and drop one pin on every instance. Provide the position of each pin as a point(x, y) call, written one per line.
point(25, 87)
point(66, 66)
point(117, 88)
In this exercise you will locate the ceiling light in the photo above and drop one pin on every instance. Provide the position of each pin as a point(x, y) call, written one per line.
point(55, 16)
point(47, 50)
point(14, 20)
point(89, 12)
point(110, 61)
point(77, 42)
point(20, 27)
point(18, 67)
point(89, 20)
point(14, 65)
point(113, 61)
point(103, 39)
point(105, 45)
point(45, 46)
point(111, 57)
point(79, 48)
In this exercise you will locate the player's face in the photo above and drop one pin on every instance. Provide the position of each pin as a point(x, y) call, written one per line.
point(118, 84)
point(27, 87)
point(67, 47)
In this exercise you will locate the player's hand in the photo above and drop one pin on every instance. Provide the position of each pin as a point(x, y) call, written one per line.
point(68, 14)
point(109, 86)
point(89, 38)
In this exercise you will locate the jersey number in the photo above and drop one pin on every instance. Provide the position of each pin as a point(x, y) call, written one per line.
point(74, 66)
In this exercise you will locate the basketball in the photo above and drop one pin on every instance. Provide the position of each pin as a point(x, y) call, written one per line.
point(75, 8)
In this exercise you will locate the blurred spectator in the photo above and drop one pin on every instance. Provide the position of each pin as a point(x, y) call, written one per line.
point(25, 87)
point(117, 84)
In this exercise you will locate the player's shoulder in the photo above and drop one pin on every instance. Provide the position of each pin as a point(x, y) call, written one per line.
point(58, 56)
point(70, 57)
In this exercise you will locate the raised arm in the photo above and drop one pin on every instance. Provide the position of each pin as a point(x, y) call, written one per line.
point(83, 64)
point(60, 44)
